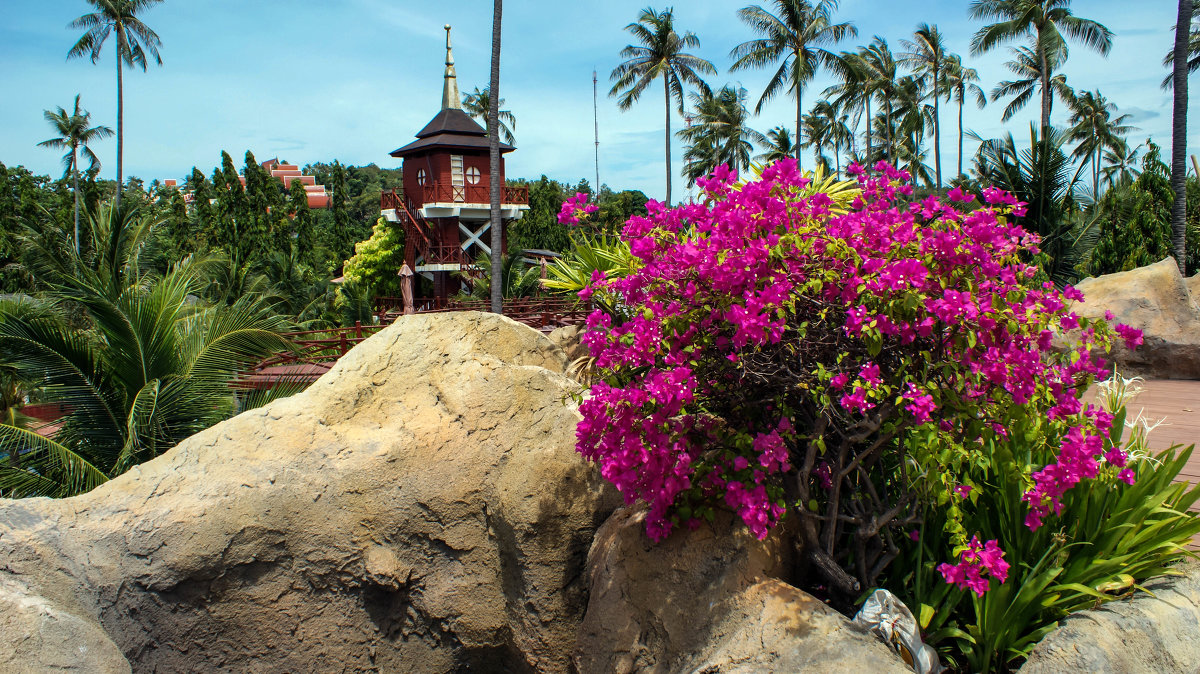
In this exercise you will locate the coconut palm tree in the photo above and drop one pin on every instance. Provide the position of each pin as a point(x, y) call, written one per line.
point(720, 133)
point(854, 93)
point(1193, 52)
point(74, 134)
point(1179, 133)
point(1027, 66)
point(960, 83)
point(1095, 128)
point(1121, 165)
point(794, 38)
point(880, 75)
point(914, 122)
point(779, 145)
point(659, 55)
point(134, 41)
point(1049, 23)
point(926, 56)
point(478, 103)
point(493, 126)
point(827, 127)
point(152, 368)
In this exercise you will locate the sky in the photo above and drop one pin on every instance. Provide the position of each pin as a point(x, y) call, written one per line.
point(352, 80)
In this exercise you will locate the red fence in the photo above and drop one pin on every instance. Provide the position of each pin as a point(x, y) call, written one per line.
point(435, 192)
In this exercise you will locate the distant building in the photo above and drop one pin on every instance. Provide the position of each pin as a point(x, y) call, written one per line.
point(318, 196)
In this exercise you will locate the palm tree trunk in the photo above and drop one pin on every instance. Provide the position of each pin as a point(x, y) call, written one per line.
point(937, 127)
point(667, 93)
point(1096, 175)
point(960, 134)
point(888, 121)
point(1183, 26)
point(120, 113)
point(799, 114)
point(1045, 90)
point(75, 181)
point(870, 147)
point(495, 179)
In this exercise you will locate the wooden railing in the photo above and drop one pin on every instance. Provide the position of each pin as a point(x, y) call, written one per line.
point(316, 350)
point(448, 193)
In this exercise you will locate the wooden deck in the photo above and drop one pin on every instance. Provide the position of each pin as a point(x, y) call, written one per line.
point(1177, 403)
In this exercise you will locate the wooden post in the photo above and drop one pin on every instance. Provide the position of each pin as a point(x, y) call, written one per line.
point(358, 329)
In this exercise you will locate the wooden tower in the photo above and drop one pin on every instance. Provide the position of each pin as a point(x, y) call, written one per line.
point(445, 204)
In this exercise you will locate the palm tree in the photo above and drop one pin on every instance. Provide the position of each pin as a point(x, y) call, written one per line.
point(152, 368)
point(815, 135)
point(1095, 129)
point(1048, 22)
point(74, 134)
point(914, 122)
point(1121, 165)
point(1193, 52)
point(719, 134)
point(879, 76)
point(854, 92)
point(793, 38)
point(960, 83)
point(478, 103)
point(1179, 133)
point(927, 57)
point(826, 127)
point(493, 126)
point(779, 145)
point(659, 55)
point(134, 40)
point(1027, 66)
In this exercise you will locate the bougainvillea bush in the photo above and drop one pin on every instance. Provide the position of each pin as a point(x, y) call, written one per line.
point(779, 357)
point(865, 364)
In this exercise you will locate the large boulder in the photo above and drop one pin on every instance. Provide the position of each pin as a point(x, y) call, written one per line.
point(420, 508)
point(710, 600)
point(1156, 300)
point(1156, 631)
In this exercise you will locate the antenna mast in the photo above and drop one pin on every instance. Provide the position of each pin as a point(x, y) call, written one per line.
point(596, 119)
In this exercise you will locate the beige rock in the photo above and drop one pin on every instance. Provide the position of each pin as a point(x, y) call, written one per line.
point(567, 338)
point(710, 600)
point(419, 509)
point(1154, 299)
point(44, 638)
point(1151, 633)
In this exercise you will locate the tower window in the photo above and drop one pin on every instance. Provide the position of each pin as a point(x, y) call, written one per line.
point(473, 175)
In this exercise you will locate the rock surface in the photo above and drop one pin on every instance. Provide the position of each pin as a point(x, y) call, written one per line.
point(418, 509)
point(1149, 634)
point(1156, 300)
point(710, 600)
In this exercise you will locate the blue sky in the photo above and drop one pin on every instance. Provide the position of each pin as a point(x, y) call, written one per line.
point(354, 79)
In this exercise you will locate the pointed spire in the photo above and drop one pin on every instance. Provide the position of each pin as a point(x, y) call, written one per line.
point(450, 99)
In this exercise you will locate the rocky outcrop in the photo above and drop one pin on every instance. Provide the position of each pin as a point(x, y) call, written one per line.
point(1156, 631)
point(41, 637)
point(710, 600)
point(418, 509)
point(1156, 300)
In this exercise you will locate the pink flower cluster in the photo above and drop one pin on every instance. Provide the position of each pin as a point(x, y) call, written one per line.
point(575, 208)
point(919, 310)
point(978, 559)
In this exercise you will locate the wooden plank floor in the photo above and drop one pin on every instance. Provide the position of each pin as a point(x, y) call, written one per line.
point(1177, 404)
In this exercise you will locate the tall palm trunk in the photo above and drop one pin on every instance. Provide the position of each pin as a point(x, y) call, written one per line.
point(870, 146)
point(75, 185)
point(120, 112)
point(494, 186)
point(799, 117)
point(961, 100)
point(937, 127)
point(1045, 77)
point(888, 128)
point(1183, 26)
point(667, 93)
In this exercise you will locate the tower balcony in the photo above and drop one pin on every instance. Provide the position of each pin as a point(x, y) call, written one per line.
point(466, 202)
